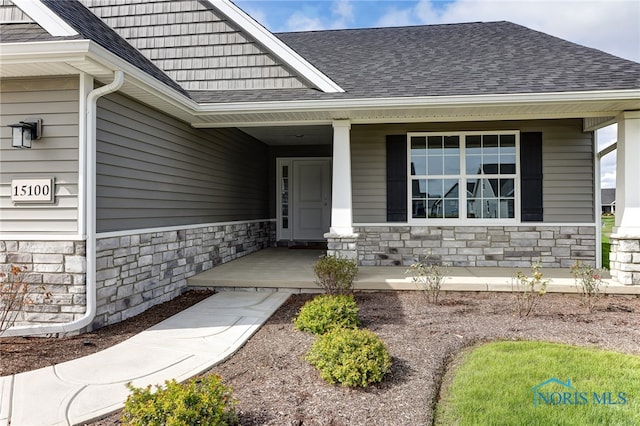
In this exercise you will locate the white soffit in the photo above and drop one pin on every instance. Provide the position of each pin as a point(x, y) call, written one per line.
point(275, 46)
point(48, 20)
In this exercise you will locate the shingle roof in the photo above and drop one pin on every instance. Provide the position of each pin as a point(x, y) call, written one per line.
point(27, 32)
point(443, 60)
point(607, 196)
point(92, 28)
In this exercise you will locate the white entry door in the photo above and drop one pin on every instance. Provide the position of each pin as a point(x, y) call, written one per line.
point(304, 213)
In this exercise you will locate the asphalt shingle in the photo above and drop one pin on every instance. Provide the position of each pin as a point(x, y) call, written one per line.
point(445, 60)
point(27, 32)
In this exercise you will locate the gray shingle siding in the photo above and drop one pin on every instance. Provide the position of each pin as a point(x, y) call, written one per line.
point(92, 28)
point(11, 13)
point(194, 45)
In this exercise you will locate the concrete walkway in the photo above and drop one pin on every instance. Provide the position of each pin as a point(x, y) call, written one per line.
point(180, 347)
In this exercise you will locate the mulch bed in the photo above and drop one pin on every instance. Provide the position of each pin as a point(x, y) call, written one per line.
point(275, 386)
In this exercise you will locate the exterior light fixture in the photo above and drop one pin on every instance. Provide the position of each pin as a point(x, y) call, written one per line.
point(24, 132)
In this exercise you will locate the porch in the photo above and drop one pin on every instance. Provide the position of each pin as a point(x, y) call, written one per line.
point(291, 270)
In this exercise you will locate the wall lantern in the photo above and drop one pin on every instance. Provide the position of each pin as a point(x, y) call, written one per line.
point(24, 132)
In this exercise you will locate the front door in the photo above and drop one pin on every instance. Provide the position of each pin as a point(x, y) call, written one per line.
point(304, 212)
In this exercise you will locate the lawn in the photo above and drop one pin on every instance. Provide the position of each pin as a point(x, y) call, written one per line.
point(494, 384)
point(607, 225)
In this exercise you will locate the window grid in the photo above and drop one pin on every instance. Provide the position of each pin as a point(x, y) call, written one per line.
point(485, 164)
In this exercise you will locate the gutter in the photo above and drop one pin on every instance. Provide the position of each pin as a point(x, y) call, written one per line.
point(89, 147)
point(354, 104)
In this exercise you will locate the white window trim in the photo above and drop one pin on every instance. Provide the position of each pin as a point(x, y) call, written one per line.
point(462, 198)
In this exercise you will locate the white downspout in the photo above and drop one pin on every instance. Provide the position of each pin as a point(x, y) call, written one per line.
point(89, 145)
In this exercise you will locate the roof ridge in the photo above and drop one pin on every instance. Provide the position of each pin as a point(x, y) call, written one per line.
point(395, 27)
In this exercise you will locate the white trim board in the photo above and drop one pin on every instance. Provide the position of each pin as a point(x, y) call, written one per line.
point(44, 17)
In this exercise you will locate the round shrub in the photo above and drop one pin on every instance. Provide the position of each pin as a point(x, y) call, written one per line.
point(350, 357)
point(335, 274)
point(326, 312)
point(199, 401)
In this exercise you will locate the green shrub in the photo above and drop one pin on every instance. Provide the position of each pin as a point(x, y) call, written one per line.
point(201, 401)
point(350, 357)
point(335, 274)
point(326, 312)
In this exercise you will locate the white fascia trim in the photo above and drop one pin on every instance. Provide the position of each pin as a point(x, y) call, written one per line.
point(78, 50)
point(461, 224)
point(277, 47)
point(42, 237)
point(480, 116)
point(39, 51)
point(142, 80)
point(420, 102)
point(48, 20)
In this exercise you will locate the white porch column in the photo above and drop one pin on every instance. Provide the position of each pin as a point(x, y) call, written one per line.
point(341, 210)
point(341, 240)
point(625, 240)
point(628, 174)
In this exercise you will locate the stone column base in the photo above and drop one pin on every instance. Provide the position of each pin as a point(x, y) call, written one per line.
point(624, 259)
point(343, 246)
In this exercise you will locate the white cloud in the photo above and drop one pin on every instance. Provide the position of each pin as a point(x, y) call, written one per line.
point(343, 9)
point(396, 18)
point(606, 136)
point(311, 18)
point(298, 21)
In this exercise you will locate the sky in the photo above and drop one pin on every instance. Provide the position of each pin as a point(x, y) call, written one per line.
point(612, 26)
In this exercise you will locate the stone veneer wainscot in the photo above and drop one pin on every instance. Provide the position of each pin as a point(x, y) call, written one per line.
point(624, 259)
point(57, 267)
point(498, 246)
point(137, 271)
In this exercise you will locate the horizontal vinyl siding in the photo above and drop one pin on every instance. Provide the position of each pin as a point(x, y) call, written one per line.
point(155, 171)
point(55, 101)
point(368, 173)
point(567, 166)
point(567, 160)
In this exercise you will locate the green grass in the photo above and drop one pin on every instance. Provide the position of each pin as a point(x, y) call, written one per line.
point(493, 385)
point(607, 225)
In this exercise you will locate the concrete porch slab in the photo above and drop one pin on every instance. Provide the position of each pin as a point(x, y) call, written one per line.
point(291, 270)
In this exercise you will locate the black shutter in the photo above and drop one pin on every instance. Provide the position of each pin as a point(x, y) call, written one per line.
point(396, 178)
point(531, 176)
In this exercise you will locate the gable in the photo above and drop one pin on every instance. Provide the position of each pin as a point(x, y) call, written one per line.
point(196, 46)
